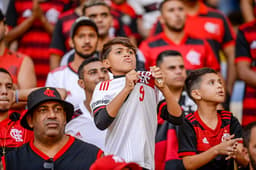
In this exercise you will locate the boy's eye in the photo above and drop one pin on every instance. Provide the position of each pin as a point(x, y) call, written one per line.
point(131, 52)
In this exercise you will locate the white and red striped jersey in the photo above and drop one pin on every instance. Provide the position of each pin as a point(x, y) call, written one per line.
point(132, 133)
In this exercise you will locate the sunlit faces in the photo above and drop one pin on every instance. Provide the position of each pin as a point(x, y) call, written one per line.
point(252, 148)
point(120, 60)
point(85, 40)
point(6, 92)
point(48, 120)
point(211, 88)
point(174, 70)
point(173, 15)
point(100, 14)
point(93, 73)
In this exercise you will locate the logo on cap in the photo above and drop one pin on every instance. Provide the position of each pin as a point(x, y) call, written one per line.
point(48, 92)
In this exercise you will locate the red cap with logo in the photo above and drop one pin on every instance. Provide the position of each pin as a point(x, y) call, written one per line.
point(112, 162)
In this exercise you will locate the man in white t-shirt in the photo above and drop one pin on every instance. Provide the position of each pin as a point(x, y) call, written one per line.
point(84, 36)
point(90, 72)
point(126, 105)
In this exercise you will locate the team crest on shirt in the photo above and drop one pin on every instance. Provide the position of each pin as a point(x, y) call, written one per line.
point(212, 28)
point(253, 45)
point(193, 57)
point(205, 141)
point(16, 134)
point(144, 76)
point(52, 15)
point(27, 13)
point(225, 135)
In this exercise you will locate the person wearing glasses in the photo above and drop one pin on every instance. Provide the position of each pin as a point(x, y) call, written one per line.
point(47, 116)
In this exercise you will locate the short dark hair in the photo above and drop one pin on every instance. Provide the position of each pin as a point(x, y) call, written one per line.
point(3, 70)
point(91, 3)
point(162, 4)
point(115, 41)
point(84, 63)
point(166, 53)
point(247, 133)
point(193, 80)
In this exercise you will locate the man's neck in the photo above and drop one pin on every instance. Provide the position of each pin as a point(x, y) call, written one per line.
point(3, 115)
point(87, 101)
point(102, 40)
point(77, 62)
point(50, 146)
point(192, 8)
point(175, 37)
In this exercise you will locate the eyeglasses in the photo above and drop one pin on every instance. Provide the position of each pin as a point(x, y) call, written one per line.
point(49, 164)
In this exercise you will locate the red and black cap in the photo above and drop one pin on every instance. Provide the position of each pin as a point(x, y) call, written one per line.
point(42, 95)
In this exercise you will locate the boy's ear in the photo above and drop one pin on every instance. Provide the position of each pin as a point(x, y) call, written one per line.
point(106, 63)
point(70, 43)
point(81, 83)
point(196, 94)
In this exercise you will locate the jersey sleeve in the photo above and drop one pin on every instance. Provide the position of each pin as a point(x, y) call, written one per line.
point(229, 35)
point(235, 127)
point(57, 45)
point(211, 59)
point(164, 114)
point(242, 48)
point(186, 139)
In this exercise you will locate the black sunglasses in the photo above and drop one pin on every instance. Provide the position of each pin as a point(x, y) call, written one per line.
point(49, 164)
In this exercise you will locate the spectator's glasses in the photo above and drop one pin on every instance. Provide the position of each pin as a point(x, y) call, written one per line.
point(49, 164)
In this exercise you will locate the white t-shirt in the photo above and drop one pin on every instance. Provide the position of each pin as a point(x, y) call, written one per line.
point(65, 77)
point(131, 135)
point(84, 128)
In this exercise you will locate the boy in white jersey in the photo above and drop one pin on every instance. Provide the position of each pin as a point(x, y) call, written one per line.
point(126, 105)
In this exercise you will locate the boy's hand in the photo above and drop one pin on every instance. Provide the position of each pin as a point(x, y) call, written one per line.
point(228, 147)
point(159, 77)
point(131, 79)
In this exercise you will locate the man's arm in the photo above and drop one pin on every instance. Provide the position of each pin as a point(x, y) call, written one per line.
point(105, 115)
point(247, 10)
point(26, 75)
point(173, 107)
point(229, 51)
point(243, 60)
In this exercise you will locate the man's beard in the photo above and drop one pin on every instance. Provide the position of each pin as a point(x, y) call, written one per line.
point(84, 56)
point(252, 161)
point(174, 29)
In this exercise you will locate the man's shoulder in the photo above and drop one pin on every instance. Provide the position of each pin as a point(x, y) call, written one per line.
point(59, 70)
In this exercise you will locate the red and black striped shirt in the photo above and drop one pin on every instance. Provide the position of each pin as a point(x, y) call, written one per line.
point(246, 52)
point(196, 52)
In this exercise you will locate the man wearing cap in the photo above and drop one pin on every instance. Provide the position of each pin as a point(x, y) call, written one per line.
point(84, 35)
point(47, 116)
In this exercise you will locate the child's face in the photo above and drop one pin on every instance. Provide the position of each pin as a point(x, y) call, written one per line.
point(120, 60)
point(211, 88)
